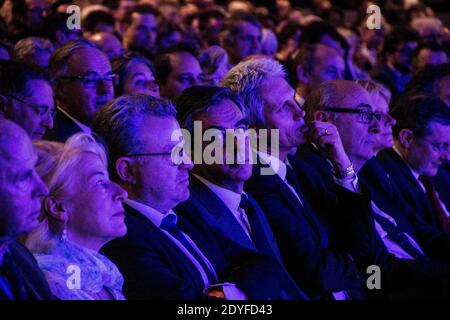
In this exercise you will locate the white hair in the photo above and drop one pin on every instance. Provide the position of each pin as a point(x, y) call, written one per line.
point(247, 79)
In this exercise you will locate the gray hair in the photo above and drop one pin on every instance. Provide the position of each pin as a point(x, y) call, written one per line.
point(119, 124)
point(60, 57)
point(28, 46)
point(247, 79)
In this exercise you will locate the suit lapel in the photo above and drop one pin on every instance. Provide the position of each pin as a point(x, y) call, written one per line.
point(220, 215)
point(403, 167)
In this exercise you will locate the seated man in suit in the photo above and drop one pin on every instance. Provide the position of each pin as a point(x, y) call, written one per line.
point(306, 240)
point(84, 83)
point(341, 103)
point(217, 187)
point(26, 98)
point(165, 255)
point(422, 139)
point(21, 191)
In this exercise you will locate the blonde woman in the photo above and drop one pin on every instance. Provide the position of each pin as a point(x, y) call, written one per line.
point(381, 98)
point(82, 211)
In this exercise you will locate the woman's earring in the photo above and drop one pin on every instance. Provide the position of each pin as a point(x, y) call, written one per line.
point(64, 235)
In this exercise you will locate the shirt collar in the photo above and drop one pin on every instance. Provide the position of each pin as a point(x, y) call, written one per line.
point(278, 166)
point(83, 127)
point(230, 198)
point(153, 215)
point(414, 173)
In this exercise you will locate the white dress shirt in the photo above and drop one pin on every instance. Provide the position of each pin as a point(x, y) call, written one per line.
point(231, 200)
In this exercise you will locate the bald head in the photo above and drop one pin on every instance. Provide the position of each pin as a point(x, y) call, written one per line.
point(348, 106)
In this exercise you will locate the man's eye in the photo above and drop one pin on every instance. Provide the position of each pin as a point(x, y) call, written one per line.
point(90, 80)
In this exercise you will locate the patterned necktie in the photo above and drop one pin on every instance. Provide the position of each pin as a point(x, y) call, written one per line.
point(168, 224)
point(398, 236)
point(436, 203)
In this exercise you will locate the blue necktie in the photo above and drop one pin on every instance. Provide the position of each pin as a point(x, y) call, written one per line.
point(168, 224)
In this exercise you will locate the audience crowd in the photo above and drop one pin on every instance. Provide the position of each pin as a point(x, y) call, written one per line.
point(228, 149)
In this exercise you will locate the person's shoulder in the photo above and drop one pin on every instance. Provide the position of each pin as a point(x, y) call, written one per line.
point(21, 254)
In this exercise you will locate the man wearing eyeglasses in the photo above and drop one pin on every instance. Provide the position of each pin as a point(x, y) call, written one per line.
point(398, 249)
point(290, 192)
point(422, 145)
point(83, 84)
point(166, 255)
point(26, 98)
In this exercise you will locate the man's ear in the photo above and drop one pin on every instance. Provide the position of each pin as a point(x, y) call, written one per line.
point(302, 74)
point(60, 37)
point(56, 209)
point(321, 116)
point(406, 138)
point(125, 170)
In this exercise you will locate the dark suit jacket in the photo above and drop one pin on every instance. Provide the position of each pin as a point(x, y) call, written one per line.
point(408, 186)
point(27, 270)
point(208, 206)
point(402, 278)
point(63, 128)
point(155, 268)
point(386, 195)
point(314, 259)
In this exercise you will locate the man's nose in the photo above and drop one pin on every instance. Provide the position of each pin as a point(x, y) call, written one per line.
point(186, 162)
point(375, 125)
point(39, 187)
point(299, 112)
point(47, 121)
